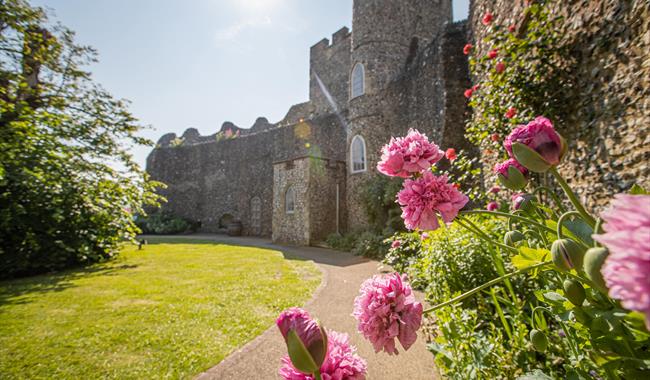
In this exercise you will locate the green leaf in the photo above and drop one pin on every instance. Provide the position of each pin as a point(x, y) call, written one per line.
point(638, 190)
point(529, 256)
point(300, 357)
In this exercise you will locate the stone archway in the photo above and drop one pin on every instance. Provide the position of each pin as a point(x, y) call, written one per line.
point(225, 220)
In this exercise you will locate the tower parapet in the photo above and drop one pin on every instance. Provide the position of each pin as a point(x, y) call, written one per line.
point(329, 72)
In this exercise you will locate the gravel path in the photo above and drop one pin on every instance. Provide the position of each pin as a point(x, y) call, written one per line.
point(332, 303)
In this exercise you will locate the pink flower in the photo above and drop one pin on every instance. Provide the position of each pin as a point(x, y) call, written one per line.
point(626, 270)
point(511, 112)
point(468, 93)
point(540, 136)
point(411, 154)
point(492, 206)
point(301, 322)
point(495, 190)
point(451, 154)
point(423, 198)
point(228, 133)
point(500, 67)
point(386, 309)
point(341, 362)
point(487, 19)
point(494, 137)
point(467, 49)
point(476, 87)
point(492, 54)
point(502, 168)
point(424, 235)
point(512, 28)
point(395, 244)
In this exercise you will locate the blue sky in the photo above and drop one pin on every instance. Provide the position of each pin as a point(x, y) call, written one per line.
point(198, 63)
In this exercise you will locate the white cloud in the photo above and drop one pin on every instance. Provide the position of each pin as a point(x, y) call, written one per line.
point(232, 31)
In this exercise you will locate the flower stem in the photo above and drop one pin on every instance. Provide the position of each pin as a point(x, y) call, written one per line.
point(548, 191)
point(486, 285)
point(317, 375)
point(513, 216)
point(573, 198)
point(474, 229)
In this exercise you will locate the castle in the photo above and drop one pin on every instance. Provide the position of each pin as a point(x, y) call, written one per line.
point(298, 180)
point(402, 67)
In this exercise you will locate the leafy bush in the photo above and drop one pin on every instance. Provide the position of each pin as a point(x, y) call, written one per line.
point(165, 223)
point(62, 203)
point(370, 245)
point(378, 198)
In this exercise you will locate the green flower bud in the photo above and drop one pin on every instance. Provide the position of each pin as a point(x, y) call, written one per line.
point(513, 237)
point(593, 261)
point(567, 254)
point(574, 291)
point(539, 340)
point(515, 180)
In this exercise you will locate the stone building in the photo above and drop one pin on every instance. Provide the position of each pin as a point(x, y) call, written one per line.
point(298, 180)
point(402, 67)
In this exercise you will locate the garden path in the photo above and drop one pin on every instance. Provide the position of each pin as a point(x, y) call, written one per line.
point(332, 303)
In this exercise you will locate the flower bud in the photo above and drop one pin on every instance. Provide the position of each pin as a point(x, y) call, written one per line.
point(523, 201)
point(574, 291)
point(537, 146)
point(539, 340)
point(593, 261)
point(567, 254)
point(511, 174)
point(513, 237)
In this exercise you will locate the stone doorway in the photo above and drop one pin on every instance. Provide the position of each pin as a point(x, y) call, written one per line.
point(256, 216)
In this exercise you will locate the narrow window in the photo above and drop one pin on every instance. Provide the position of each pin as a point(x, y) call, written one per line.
point(358, 154)
point(358, 82)
point(289, 200)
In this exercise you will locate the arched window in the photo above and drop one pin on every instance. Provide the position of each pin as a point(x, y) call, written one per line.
point(358, 81)
point(358, 155)
point(289, 200)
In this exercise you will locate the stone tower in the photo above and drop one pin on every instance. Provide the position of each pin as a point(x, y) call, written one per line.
point(387, 36)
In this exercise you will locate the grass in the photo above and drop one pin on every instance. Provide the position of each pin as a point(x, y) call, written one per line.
point(170, 310)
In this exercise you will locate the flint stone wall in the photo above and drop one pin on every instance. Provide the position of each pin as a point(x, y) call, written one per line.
point(207, 180)
point(609, 130)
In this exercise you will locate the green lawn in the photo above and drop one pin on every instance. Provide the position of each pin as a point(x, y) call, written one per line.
point(168, 311)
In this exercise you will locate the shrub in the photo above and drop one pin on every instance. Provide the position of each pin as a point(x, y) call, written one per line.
point(370, 245)
point(450, 260)
point(165, 223)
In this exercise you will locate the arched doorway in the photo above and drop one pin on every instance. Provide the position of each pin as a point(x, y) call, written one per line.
point(256, 216)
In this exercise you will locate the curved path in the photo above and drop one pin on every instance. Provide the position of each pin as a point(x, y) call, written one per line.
point(332, 303)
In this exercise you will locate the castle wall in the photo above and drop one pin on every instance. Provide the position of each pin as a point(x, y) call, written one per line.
point(609, 130)
point(314, 182)
point(208, 180)
point(294, 227)
point(324, 177)
point(423, 96)
point(331, 64)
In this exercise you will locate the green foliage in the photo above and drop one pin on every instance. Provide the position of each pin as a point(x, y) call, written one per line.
point(164, 223)
point(449, 261)
point(378, 198)
point(360, 243)
point(62, 137)
point(370, 245)
point(533, 81)
point(168, 311)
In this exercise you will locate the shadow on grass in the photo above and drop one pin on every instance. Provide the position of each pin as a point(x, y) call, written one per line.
point(20, 291)
point(315, 254)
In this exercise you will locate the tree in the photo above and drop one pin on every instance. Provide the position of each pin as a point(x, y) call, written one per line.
point(63, 200)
